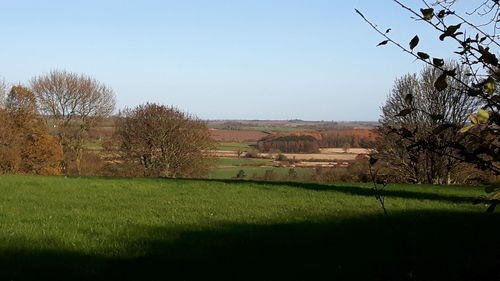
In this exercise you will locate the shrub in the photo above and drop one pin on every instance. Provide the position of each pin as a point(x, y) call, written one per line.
point(241, 174)
point(165, 141)
point(281, 157)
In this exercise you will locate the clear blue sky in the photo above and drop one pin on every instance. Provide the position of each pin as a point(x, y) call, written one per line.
point(233, 59)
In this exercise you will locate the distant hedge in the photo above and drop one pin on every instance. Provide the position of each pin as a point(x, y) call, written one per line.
point(289, 144)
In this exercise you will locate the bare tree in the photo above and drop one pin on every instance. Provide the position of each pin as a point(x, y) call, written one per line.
point(473, 32)
point(3, 92)
point(72, 105)
point(434, 111)
point(165, 141)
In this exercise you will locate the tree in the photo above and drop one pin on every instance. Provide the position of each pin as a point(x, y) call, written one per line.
point(3, 92)
point(435, 108)
point(25, 145)
point(474, 34)
point(165, 141)
point(72, 104)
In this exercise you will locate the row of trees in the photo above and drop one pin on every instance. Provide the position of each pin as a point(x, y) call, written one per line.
point(346, 138)
point(45, 128)
point(289, 144)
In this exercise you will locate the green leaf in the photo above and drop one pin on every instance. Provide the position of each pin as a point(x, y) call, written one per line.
point(450, 31)
point(453, 28)
point(490, 85)
point(466, 128)
point(440, 83)
point(404, 112)
point(482, 116)
point(383, 43)
point(473, 119)
point(414, 42)
point(423, 55)
point(409, 99)
point(427, 13)
point(437, 62)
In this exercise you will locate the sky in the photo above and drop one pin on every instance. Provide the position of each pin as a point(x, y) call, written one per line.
point(233, 59)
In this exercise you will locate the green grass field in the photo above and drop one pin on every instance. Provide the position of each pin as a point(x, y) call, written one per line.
point(235, 146)
point(243, 162)
point(57, 228)
point(252, 172)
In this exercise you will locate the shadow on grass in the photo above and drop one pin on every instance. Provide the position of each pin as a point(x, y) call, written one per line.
point(408, 246)
point(355, 190)
point(351, 190)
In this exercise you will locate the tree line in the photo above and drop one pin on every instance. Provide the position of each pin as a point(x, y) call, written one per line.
point(46, 124)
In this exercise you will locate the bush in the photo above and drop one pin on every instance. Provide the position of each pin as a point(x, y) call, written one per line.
point(165, 141)
point(281, 157)
point(252, 153)
point(241, 174)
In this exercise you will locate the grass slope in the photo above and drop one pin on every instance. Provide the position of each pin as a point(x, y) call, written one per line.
point(57, 228)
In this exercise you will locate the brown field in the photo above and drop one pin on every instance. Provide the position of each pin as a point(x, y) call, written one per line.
point(236, 135)
point(325, 155)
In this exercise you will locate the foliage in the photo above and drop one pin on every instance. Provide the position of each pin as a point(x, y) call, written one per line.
point(165, 141)
point(73, 104)
point(25, 145)
point(474, 34)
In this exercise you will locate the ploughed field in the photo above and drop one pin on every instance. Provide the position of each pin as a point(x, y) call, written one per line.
point(58, 228)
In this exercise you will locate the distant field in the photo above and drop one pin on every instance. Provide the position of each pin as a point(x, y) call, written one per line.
point(237, 135)
point(234, 146)
point(243, 162)
point(252, 172)
point(58, 228)
point(260, 128)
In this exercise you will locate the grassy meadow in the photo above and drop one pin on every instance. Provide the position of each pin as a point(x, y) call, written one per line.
point(235, 146)
point(257, 172)
point(59, 228)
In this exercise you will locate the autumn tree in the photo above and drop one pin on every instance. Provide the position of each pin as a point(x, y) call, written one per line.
point(165, 141)
point(72, 105)
point(25, 144)
point(398, 132)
